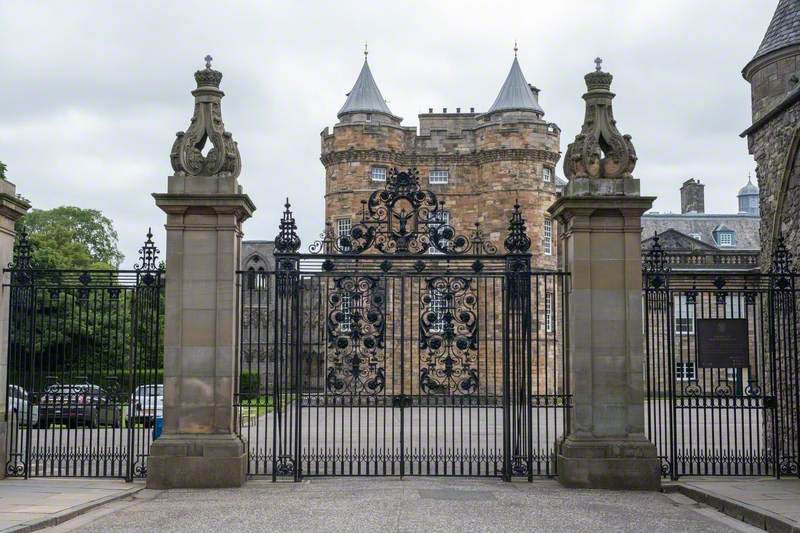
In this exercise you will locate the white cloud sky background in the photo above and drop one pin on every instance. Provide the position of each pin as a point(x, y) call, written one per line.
point(92, 93)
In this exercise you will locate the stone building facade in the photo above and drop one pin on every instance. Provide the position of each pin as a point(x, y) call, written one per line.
point(478, 163)
point(774, 137)
point(694, 239)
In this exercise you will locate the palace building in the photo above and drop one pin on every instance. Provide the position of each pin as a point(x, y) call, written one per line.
point(478, 163)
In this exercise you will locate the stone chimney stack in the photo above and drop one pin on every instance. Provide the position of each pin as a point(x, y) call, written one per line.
point(693, 196)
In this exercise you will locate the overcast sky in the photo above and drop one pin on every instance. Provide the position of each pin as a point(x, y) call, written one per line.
point(92, 93)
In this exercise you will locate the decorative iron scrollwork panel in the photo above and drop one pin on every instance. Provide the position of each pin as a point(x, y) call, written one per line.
point(356, 330)
point(449, 336)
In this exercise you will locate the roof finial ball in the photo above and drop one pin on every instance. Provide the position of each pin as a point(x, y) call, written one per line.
point(515, 48)
point(366, 51)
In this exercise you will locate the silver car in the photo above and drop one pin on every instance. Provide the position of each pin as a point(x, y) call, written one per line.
point(147, 404)
point(20, 407)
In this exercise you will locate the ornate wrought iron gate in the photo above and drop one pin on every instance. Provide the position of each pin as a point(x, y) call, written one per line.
point(737, 418)
point(85, 357)
point(402, 348)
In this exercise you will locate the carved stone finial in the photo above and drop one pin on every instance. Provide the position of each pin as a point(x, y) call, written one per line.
point(599, 150)
point(187, 156)
point(598, 62)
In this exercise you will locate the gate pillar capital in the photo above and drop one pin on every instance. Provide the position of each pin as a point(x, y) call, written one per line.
point(205, 209)
point(12, 208)
point(600, 215)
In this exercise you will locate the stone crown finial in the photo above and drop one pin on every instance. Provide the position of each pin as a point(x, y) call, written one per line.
point(206, 125)
point(599, 150)
point(208, 77)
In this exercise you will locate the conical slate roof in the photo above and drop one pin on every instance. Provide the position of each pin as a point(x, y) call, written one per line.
point(784, 30)
point(515, 93)
point(364, 97)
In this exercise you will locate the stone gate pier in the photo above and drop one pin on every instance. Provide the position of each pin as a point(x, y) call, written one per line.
point(12, 208)
point(205, 209)
point(600, 213)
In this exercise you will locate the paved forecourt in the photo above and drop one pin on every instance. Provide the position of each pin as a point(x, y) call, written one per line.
point(419, 504)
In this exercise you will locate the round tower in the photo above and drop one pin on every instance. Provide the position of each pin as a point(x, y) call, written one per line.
point(365, 143)
point(517, 152)
point(774, 70)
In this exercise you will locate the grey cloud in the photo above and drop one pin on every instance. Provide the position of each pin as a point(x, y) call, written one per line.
point(93, 92)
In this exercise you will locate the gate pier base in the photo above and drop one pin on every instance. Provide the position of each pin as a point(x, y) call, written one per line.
point(628, 463)
point(197, 461)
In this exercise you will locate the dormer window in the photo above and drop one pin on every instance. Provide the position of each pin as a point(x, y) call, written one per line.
point(438, 177)
point(378, 173)
point(725, 238)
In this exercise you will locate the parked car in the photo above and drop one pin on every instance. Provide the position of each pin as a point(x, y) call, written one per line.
point(79, 405)
point(20, 406)
point(147, 404)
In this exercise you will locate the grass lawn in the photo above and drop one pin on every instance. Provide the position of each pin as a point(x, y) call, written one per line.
point(256, 406)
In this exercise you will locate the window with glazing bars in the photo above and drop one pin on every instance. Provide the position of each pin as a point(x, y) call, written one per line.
point(343, 227)
point(438, 176)
point(548, 236)
point(439, 306)
point(378, 173)
point(685, 371)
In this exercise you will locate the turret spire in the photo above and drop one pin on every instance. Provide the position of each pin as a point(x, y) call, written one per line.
point(365, 97)
point(516, 94)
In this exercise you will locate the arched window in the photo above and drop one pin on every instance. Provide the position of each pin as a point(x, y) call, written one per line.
point(261, 279)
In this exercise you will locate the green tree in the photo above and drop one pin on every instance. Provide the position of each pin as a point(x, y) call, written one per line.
point(69, 237)
point(3, 169)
